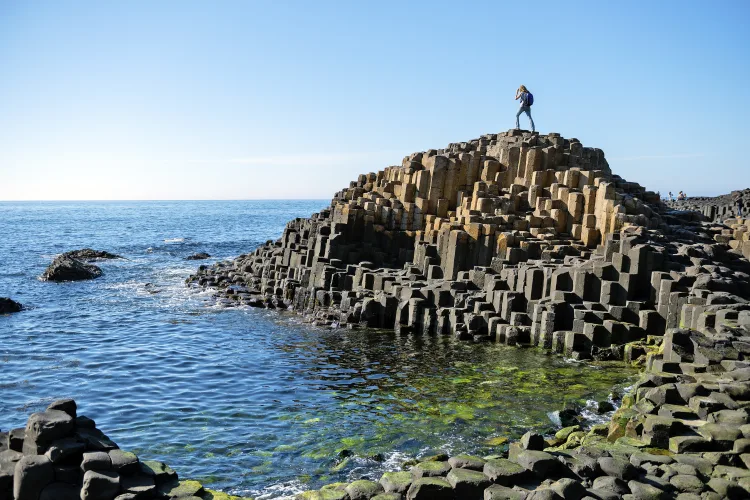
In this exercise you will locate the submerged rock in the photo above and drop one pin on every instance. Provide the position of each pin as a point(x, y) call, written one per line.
point(198, 256)
point(8, 306)
point(65, 268)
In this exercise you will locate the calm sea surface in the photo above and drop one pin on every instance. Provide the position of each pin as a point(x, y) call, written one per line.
point(245, 400)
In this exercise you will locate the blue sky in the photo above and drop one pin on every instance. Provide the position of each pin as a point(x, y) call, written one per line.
point(237, 100)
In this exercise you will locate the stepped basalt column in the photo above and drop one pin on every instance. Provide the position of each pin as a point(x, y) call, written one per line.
point(515, 237)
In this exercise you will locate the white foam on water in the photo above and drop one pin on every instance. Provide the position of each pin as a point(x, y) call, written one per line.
point(174, 240)
point(279, 491)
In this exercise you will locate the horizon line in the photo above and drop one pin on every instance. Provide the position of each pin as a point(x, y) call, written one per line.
point(173, 199)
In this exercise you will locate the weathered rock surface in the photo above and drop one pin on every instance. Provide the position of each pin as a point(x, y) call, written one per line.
point(89, 254)
point(65, 268)
point(8, 306)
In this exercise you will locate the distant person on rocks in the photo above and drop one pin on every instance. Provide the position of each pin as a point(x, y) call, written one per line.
point(739, 207)
point(671, 196)
point(527, 99)
point(681, 196)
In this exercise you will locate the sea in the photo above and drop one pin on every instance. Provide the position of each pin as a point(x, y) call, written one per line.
point(249, 401)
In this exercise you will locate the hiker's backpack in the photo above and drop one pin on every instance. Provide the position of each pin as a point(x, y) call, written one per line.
point(529, 98)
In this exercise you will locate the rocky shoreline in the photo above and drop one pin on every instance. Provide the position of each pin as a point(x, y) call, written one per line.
point(530, 240)
point(61, 455)
point(519, 238)
point(717, 208)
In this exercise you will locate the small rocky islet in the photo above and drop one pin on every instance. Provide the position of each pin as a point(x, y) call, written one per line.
point(519, 238)
point(75, 265)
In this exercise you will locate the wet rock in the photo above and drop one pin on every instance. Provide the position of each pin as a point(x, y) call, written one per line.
point(643, 491)
point(161, 472)
point(618, 467)
point(613, 484)
point(498, 492)
point(569, 489)
point(63, 449)
point(179, 489)
point(543, 494)
point(363, 489)
point(430, 488)
point(96, 460)
point(467, 462)
point(123, 462)
point(65, 405)
point(8, 306)
point(198, 256)
point(468, 484)
point(541, 463)
point(504, 472)
point(100, 485)
point(32, 474)
point(44, 427)
point(430, 469)
point(533, 441)
point(396, 482)
point(687, 483)
point(65, 268)
point(89, 254)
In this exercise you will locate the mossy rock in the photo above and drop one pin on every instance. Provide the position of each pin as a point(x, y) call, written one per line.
point(562, 434)
point(430, 488)
point(161, 471)
point(408, 464)
point(335, 486)
point(467, 483)
point(181, 489)
point(439, 457)
point(396, 482)
point(330, 494)
point(599, 430)
point(363, 489)
point(387, 496)
point(503, 471)
point(496, 441)
point(465, 461)
point(430, 469)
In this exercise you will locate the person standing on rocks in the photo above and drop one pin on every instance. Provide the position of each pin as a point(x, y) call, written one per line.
point(527, 99)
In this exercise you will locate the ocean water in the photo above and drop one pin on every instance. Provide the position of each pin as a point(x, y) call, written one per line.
point(246, 400)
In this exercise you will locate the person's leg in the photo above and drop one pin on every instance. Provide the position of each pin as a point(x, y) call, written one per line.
point(528, 113)
point(518, 115)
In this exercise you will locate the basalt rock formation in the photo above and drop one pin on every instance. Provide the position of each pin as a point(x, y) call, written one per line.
point(515, 237)
point(531, 240)
point(718, 208)
point(61, 455)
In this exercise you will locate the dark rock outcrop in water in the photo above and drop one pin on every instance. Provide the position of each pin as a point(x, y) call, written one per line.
point(89, 254)
point(198, 256)
point(63, 456)
point(65, 268)
point(8, 306)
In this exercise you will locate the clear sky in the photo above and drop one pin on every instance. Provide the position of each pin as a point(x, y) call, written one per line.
point(282, 99)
